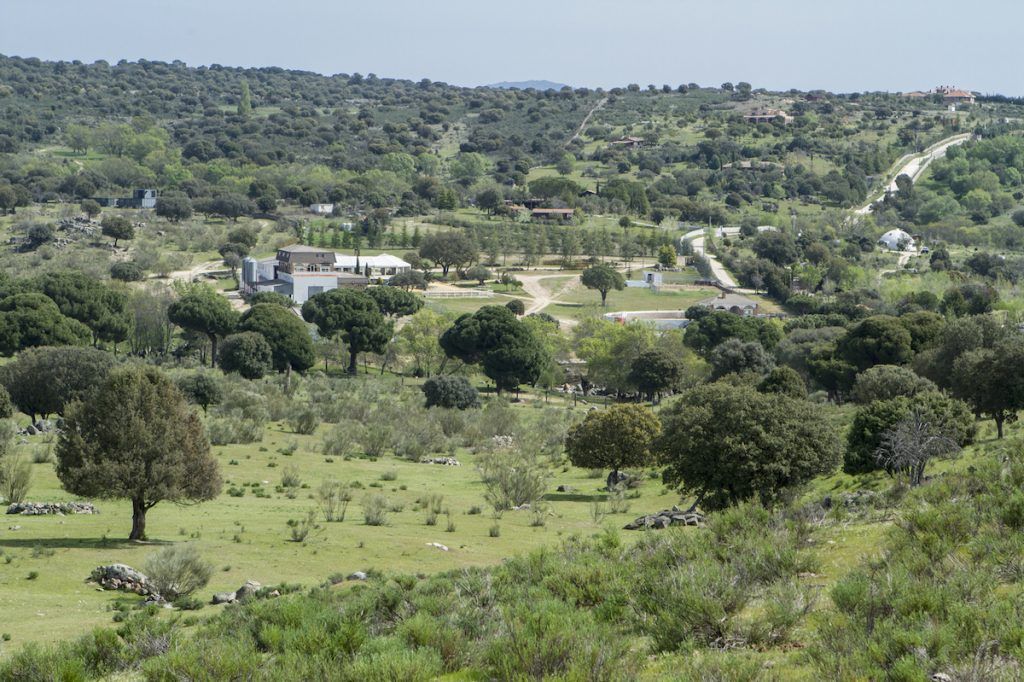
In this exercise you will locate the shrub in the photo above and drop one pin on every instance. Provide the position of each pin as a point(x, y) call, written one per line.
point(376, 439)
point(224, 658)
point(375, 509)
point(511, 479)
point(228, 430)
point(6, 404)
point(334, 498)
point(452, 422)
point(127, 272)
point(15, 478)
point(551, 639)
point(453, 392)
point(290, 477)
point(341, 439)
point(303, 419)
point(177, 571)
point(699, 601)
point(390, 659)
point(300, 528)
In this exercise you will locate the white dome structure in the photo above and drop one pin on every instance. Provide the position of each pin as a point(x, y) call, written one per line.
point(897, 240)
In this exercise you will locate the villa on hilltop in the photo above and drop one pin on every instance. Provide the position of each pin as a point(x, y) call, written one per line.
point(950, 95)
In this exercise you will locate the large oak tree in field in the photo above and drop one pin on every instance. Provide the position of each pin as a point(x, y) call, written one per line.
point(725, 444)
point(137, 438)
point(620, 436)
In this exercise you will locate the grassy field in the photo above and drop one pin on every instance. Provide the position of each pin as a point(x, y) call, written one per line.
point(580, 303)
point(248, 537)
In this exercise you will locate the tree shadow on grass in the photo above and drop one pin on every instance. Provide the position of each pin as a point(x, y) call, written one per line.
point(575, 497)
point(78, 543)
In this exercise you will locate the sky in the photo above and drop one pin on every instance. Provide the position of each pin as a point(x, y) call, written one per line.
point(836, 45)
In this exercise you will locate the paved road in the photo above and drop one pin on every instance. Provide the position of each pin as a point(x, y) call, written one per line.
point(914, 166)
point(696, 239)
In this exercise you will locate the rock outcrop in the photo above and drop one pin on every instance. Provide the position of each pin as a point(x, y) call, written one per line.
point(59, 508)
point(666, 518)
point(445, 461)
point(246, 591)
point(122, 578)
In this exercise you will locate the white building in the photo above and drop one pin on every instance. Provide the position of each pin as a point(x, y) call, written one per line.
point(897, 240)
point(321, 209)
point(383, 267)
point(300, 272)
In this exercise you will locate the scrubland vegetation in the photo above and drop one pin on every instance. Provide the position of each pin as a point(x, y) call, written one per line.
point(435, 487)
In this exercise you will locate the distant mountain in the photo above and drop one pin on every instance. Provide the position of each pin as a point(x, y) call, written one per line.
point(523, 85)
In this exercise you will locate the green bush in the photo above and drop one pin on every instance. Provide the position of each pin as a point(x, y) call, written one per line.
point(375, 509)
point(451, 392)
point(303, 419)
point(177, 571)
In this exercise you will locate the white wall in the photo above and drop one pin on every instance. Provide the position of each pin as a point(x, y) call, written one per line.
point(301, 284)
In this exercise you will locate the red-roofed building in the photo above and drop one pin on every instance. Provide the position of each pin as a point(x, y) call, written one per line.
point(954, 95)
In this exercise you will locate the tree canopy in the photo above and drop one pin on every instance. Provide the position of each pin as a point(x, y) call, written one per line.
point(203, 310)
point(137, 438)
point(726, 443)
point(246, 353)
point(289, 339)
point(44, 381)
point(613, 438)
point(498, 341)
point(354, 317)
point(28, 320)
point(449, 249)
point(603, 278)
point(872, 421)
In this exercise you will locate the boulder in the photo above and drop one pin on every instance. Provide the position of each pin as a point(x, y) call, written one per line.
point(122, 578)
point(247, 590)
point(223, 598)
point(438, 545)
point(616, 479)
point(358, 575)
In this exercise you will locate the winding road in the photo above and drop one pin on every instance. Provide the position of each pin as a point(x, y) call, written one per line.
point(696, 239)
point(913, 166)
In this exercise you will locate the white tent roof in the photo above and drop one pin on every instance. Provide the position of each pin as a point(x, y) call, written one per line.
point(384, 260)
point(894, 238)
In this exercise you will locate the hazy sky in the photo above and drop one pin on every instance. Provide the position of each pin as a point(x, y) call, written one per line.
point(841, 46)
